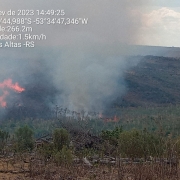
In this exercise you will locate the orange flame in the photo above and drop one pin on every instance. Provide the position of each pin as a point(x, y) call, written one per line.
point(112, 119)
point(2, 99)
point(8, 84)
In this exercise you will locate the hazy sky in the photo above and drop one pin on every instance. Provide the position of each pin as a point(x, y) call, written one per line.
point(155, 22)
point(161, 23)
point(168, 3)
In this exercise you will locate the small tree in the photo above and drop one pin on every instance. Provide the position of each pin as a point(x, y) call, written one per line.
point(63, 157)
point(137, 143)
point(3, 139)
point(112, 135)
point(60, 138)
point(24, 137)
point(130, 143)
point(47, 151)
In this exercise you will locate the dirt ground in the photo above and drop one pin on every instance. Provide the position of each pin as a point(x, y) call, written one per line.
point(19, 170)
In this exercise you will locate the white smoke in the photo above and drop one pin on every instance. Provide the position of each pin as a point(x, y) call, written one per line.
point(86, 62)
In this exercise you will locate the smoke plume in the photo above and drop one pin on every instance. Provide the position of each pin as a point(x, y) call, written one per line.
point(80, 67)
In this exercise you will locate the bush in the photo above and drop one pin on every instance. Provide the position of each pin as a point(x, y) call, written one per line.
point(64, 156)
point(24, 137)
point(139, 144)
point(3, 139)
point(60, 138)
point(46, 151)
point(112, 135)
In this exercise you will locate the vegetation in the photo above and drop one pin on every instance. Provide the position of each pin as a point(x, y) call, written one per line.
point(154, 82)
point(3, 139)
point(139, 148)
point(24, 139)
point(64, 156)
point(143, 142)
point(112, 135)
point(154, 119)
point(60, 138)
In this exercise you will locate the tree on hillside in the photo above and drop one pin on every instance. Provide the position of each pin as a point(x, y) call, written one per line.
point(60, 138)
point(24, 138)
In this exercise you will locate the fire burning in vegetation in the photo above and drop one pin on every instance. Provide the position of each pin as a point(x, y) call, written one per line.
point(8, 84)
point(108, 119)
point(5, 86)
point(111, 119)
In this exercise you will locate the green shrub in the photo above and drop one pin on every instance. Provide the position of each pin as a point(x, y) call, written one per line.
point(112, 135)
point(60, 138)
point(46, 151)
point(139, 144)
point(3, 139)
point(63, 157)
point(24, 139)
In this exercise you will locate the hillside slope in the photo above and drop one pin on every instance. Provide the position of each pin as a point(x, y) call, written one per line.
point(155, 81)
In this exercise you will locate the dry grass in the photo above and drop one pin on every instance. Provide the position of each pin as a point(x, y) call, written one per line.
point(37, 170)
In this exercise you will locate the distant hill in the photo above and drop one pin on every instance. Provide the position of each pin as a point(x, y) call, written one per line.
point(155, 51)
point(155, 81)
